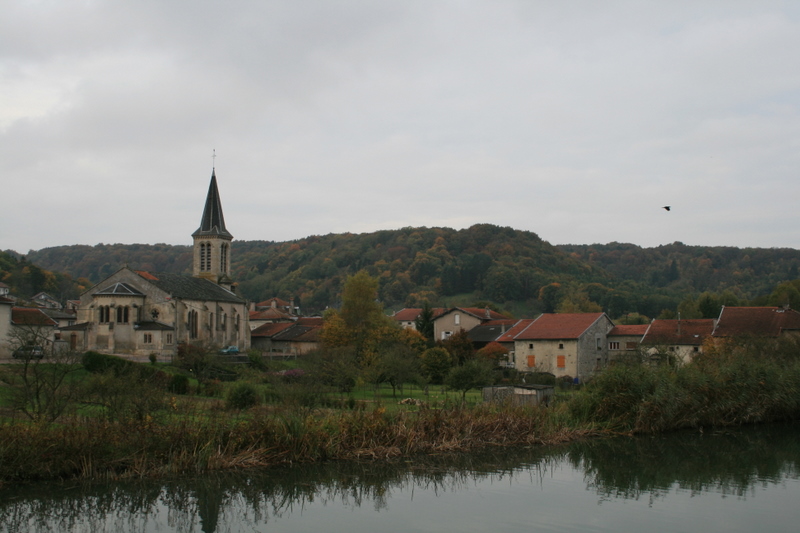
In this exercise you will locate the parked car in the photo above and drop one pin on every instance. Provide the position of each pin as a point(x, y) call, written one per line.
point(28, 352)
point(229, 350)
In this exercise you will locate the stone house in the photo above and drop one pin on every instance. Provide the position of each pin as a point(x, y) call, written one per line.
point(563, 344)
point(138, 312)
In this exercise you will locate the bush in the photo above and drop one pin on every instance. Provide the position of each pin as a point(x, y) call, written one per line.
point(178, 384)
point(96, 362)
point(242, 396)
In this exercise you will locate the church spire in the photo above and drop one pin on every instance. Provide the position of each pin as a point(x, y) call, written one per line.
point(212, 223)
point(212, 241)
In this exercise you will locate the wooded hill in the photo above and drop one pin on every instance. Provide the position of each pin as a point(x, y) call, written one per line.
point(511, 269)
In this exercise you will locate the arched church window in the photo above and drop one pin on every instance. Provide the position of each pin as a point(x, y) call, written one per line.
point(122, 314)
point(205, 256)
point(223, 258)
point(191, 324)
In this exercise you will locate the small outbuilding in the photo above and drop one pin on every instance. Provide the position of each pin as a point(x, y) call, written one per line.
point(520, 394)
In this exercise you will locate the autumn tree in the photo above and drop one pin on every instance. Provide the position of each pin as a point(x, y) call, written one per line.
point(459, 346)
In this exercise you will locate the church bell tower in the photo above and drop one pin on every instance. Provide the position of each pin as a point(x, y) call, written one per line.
point(212, 242)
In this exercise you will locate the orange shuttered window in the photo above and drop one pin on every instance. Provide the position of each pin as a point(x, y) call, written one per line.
point(562, 361)
point(531, 361)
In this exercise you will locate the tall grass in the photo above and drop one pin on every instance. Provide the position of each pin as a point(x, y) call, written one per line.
point(83, 448)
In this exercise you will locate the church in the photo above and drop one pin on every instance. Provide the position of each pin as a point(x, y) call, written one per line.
point(142, 313)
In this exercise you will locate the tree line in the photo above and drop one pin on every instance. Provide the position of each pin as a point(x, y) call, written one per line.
point(513, 270)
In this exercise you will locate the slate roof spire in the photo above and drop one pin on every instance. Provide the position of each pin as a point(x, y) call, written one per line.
point(212, 223)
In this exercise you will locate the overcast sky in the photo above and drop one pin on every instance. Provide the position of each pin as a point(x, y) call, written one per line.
point(577, 120)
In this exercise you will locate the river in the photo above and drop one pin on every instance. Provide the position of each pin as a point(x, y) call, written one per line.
point(732, 480)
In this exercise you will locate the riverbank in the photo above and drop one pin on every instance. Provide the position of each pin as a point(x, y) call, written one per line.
point(731, 385)
point(88, 448)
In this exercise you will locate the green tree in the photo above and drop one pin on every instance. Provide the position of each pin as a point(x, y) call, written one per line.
point(709, 305)
point(473, 374)
point(436, 363)
point(424, 322)
point(399, 365)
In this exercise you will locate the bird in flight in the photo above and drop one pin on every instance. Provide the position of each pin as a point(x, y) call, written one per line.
point(667, 207)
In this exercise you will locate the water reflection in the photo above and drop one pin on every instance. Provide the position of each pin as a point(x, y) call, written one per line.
point(732, 463)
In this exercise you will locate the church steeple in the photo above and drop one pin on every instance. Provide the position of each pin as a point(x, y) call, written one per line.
point(212, 240)
point(212, 223)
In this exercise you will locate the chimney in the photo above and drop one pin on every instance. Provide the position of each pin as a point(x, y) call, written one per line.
point(488, 314)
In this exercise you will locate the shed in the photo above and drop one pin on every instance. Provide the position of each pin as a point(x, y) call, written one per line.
point(521, 394)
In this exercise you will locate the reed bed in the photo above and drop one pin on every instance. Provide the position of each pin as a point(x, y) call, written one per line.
point(89, 448)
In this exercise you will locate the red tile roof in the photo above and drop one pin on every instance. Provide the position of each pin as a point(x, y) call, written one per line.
point(629, 330)
point(409, 314)
point(765, 321)
point(268, 303)
point(687, 331)
point(515, 330)
point(482, 313)
point(558, 326)
point(269, 314)
point(146, 275)
point(29, 316)
point(310, 321)
point(270, 329)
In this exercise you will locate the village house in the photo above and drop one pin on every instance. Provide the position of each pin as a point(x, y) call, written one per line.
point(624, 340)
point(288, 338)
point(681, 338)
point(407, 317)
point(462, 318)
point(142, 313)
point(490, 331)
point(563, 344)
point(756, 321)
point(46, 301)
point(270, 315)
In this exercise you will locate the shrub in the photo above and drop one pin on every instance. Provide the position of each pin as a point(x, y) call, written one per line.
point(178, 384)
point(242, 396)
point(96, 362)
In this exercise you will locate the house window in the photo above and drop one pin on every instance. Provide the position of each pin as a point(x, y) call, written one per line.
point(457, 319)
point(530, 346)
point(105, 314)
point(531, 361)
point(613, 345)
point(446, 334)
point(148, 338)
point(122, 314)
point(696, 349)
point(169, 338)
point(598, 342)
point(560, 345)
point(671, 349)
point(561, 361)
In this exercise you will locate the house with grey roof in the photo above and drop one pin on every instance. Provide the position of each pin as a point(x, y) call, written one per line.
point(138, 312)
